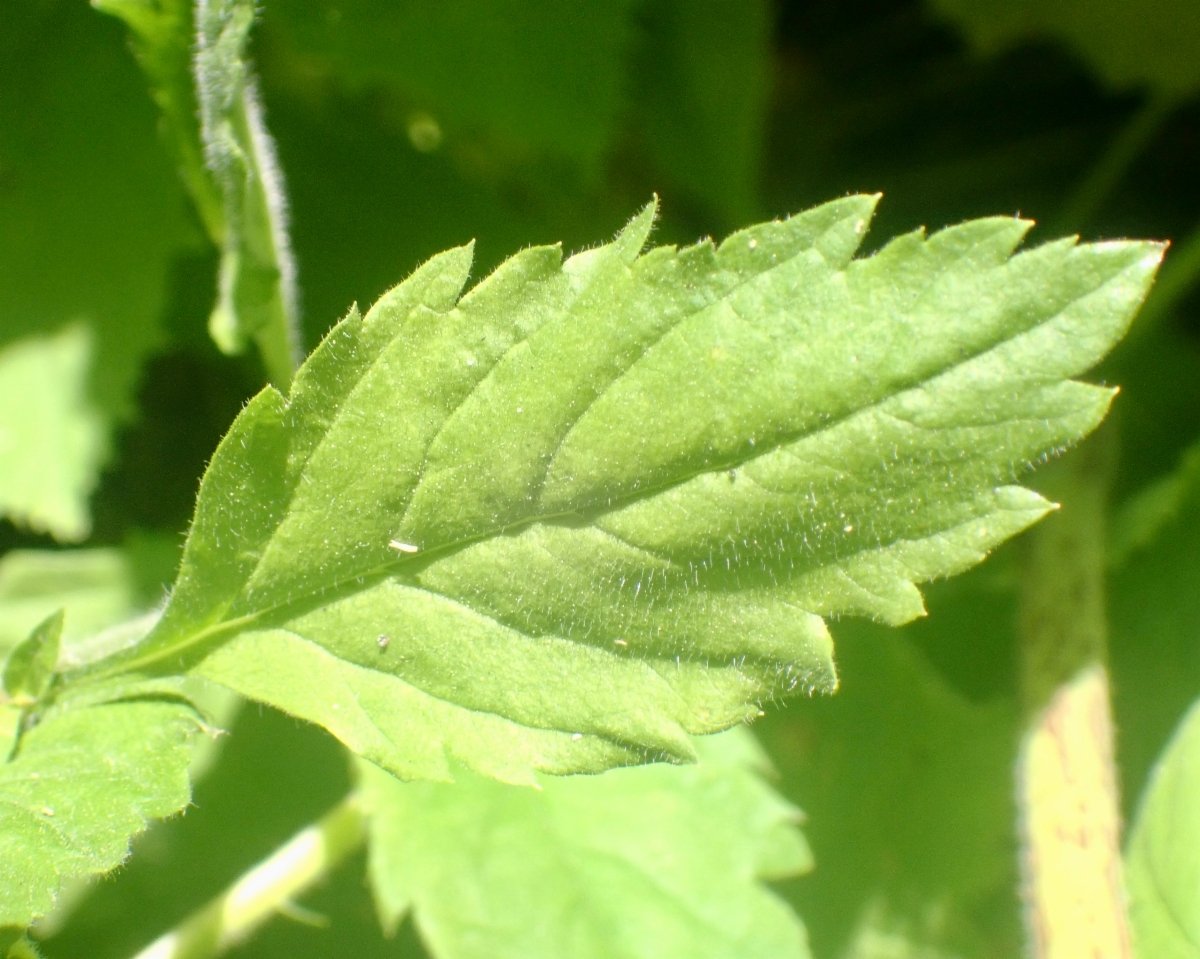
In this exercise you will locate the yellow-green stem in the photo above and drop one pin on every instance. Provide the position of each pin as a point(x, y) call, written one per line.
point(1066, 781)
point(267, 888)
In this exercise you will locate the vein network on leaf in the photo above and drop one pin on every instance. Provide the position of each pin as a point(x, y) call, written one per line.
point(602, 504)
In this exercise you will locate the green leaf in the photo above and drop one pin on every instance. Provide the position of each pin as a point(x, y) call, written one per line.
point(1125, 42)
point(91, 215)
point(91, 220)
point(30, 666)
point(908, 790)
point(15, 945)
point(163, 33)
point(1151, 511)
point(213, 123)
point(647, 862)
point(257, 286)
point(51, 435)
point(82, 783)
point(594, 507)
point(1162, 873)
point(549, 75)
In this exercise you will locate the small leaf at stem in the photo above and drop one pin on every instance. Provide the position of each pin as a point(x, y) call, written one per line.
point(30, 666)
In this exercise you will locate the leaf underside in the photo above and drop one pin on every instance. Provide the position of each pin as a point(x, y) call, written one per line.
point(602, 866)
point(594, 506)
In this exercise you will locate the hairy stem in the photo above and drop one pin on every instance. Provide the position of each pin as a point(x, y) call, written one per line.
point(257, 284)
point(1066, 779)
point(267, 888)
point(227, 162)
point(1104, 176)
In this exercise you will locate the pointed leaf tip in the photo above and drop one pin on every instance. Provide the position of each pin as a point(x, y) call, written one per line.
point(633, 237)
point(30, 667)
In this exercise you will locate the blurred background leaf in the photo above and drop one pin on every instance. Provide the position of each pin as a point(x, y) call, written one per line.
point(1164, 851)
point(605, 866)
point(907, 786)
point(91, 216)
point(51, 437)
point(94, 585)
point(1126, 42)
point(547, 75)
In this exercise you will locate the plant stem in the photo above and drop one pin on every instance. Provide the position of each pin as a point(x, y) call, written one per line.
point(267, 888)
point(1100, 181)
point(1066, 779)
point(256, 297)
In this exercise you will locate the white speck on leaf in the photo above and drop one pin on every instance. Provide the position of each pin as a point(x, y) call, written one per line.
point(403, 547)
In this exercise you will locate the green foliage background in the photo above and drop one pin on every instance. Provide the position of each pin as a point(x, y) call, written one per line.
point(404, 129)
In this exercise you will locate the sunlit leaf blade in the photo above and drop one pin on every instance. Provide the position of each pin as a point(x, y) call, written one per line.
point(1162, 871)
point(593, 507)
point(81, 784)
point(1126, 42)
point(606, 866)
point(51, 435)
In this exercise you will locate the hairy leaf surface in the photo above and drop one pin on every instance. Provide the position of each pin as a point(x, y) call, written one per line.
point(80, 785)
point(256, 289)
point(1163, 861)
point(605, 866)
point(593, 507)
